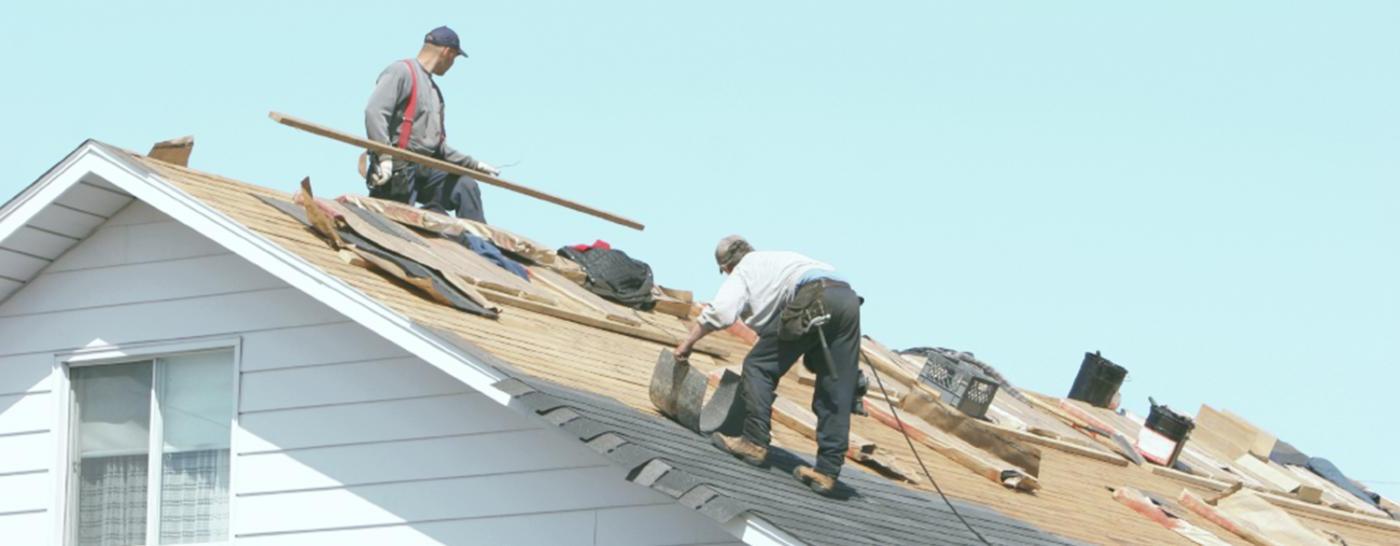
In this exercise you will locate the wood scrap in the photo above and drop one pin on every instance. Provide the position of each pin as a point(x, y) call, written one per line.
point(1069, 447)
point(924, 404)
point(925, 434)
point(175, 151)
point(414, 248)
point(1143, 505)
point(678, 294)
point(1111, 437)
point(481, 272)
point(449, 227)
point(1276, 478)
point(322, 220)
point(667, 305)
point(1248, 510)
point(1198, 505)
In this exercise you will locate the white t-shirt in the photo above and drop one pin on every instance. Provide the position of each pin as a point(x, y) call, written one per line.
point(758, 288)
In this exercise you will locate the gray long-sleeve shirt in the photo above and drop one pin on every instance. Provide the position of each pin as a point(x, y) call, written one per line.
point(384, 113)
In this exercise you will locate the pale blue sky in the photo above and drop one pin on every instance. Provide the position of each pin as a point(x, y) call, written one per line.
point(1205, 191)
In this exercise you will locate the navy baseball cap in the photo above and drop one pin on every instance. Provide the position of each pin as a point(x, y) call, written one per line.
point(444, 36)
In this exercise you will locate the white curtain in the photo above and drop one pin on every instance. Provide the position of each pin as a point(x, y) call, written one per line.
point(112, 501)
point(194, 497)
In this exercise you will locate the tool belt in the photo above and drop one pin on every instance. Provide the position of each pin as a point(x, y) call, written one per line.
point(795, 320)
point(399, 187)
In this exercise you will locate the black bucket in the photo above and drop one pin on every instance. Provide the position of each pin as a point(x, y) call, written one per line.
point(1169, 423)
point(1173, 425)
point(1098, 380)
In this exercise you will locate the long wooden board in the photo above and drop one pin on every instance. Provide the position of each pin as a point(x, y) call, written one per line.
point(448, 167)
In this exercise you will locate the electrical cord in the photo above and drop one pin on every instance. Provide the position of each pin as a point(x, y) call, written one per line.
point(881, 385)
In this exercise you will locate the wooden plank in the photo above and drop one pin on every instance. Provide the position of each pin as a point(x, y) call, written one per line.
point(449, 168)
point(1070, 447)
point(673, 307)
point(1262, 441)
point(923, 403)
point(926, 434)
point(1218, 433)
point(571, 290)
point(704, 346)
point(887, 362)
point(1198, 505)
point(1144, 506)
point(175, 151)
point(1114, 439)
point(1273, 477)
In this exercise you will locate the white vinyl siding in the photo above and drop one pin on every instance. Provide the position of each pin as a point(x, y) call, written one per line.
point(343, 438)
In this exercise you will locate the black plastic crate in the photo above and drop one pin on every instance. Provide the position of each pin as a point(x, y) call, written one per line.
point(959, 384)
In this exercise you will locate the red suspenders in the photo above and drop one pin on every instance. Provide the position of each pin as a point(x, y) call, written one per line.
point(406, 128)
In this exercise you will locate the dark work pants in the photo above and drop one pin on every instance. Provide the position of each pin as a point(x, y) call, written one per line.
point(771, 358)
point(437, 191)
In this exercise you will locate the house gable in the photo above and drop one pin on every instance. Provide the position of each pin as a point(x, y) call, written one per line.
point(343, 436)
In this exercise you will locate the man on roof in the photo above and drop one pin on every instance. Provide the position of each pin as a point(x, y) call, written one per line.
point(406, 111)
point(778, 294)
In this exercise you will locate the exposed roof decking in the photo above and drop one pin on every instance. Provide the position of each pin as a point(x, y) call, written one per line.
point(1074, 501)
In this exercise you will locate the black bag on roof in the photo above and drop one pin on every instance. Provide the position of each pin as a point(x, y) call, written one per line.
point(614, 275)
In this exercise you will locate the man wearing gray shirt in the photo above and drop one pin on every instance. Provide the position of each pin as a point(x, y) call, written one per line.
point(777, 293)
point(406, 111)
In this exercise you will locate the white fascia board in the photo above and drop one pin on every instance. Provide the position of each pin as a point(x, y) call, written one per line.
point(147, 186)
point(752, 529)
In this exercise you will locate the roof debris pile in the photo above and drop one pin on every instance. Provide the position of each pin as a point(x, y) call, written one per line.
point(1046, 460)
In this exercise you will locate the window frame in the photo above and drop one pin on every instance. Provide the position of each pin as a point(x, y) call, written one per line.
point(65, 430)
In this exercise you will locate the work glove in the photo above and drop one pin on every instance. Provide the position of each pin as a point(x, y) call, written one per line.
point(383, 171)
point(486, 168)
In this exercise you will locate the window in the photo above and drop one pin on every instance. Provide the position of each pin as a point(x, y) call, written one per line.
point(150, 450)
